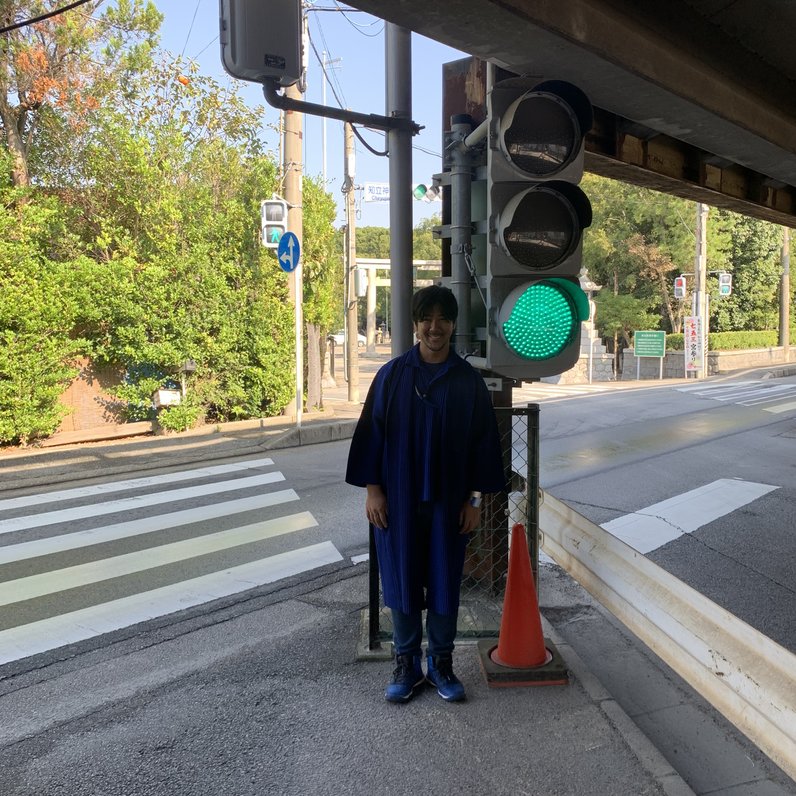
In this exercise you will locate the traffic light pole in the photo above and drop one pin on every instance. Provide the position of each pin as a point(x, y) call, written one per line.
point(461, 228)
point(398, 61)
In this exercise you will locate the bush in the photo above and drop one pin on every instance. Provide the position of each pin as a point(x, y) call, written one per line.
point(180, 417)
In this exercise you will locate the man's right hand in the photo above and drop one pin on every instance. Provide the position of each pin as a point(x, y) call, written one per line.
point(376, 506)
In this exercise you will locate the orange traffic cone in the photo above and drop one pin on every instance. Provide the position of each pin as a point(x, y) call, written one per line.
point(521, 642)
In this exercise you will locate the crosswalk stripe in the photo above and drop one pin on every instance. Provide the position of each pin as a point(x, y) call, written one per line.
point(748, 395)
point(58, 631)
point(700, 388)
point(647, 529)
point(131, 483)
point(126, 504)
point(781, 407)
point(33, 586)
point(122, 530)
point(766, 396)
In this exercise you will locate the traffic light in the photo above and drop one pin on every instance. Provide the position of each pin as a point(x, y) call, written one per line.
point(679, 287)
point(261, 40)
point(273, 221)
point(536, 216)
point(725, 284)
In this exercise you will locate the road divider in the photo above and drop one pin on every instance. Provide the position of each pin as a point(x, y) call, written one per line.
point(744, 674)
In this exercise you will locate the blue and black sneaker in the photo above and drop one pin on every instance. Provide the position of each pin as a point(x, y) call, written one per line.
point(440, 674)
point(407, 676)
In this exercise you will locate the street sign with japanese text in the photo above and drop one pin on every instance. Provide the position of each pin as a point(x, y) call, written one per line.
point(692, 342)
point(649, 343)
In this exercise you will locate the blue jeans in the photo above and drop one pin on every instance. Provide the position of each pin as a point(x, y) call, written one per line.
point(407, 633)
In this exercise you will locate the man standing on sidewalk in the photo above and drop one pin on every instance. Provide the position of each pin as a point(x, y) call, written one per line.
point(426, 447)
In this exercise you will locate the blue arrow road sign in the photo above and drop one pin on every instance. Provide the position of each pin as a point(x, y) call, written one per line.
point(288, 252)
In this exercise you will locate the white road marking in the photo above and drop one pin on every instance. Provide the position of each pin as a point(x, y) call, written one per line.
point(650, 528)
point(58, 631)
point(44, 583)
point(122, 530)
point(130, 483)
point(781, 408)
point(126, 504)
point(700, 388)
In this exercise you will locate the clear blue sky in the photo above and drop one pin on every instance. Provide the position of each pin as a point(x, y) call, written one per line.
point(355, 42)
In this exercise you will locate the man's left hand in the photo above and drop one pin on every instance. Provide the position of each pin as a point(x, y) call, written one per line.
point(469, 518)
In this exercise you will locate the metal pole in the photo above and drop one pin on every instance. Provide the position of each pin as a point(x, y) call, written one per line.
point(701, 288)
point(323, 119)
point(352, 355)
point(461, 229)
point(373, 596)
point(398, 62)
point(533, 489)
point(784, 296)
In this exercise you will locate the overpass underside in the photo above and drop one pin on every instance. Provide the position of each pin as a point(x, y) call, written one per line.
point(692, 97)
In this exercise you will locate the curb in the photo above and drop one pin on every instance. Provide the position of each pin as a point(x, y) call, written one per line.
point(648, 755)
point(45, 466)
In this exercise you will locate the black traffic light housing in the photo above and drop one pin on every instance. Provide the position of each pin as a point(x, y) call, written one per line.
point(536, 216)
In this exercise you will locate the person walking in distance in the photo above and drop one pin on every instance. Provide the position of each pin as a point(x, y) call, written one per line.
point(426, 448)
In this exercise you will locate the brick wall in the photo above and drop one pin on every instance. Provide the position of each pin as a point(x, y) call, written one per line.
point(88, 398)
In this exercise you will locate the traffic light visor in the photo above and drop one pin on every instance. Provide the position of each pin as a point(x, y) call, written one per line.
point(540, 134)
point(540, 319)
point(542, 226)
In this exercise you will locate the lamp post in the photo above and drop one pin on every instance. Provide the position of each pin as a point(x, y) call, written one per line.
point(189, 366)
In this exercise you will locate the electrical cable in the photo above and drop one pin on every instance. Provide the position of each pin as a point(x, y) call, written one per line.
point(340, 104)
point(368, 146)
point(213, 41)
point(343, 104)
point(54, 13)
point(325, 74)
point(188, 35)
point(357, 26)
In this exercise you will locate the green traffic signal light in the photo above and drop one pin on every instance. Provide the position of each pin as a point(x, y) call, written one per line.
point(538, 320)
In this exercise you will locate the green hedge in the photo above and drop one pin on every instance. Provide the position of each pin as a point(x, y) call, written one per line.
point(733, 341)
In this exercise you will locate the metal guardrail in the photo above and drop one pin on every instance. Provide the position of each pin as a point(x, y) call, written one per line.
point(745, 675)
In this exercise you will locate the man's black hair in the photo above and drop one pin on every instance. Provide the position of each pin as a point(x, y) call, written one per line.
point(425, 299)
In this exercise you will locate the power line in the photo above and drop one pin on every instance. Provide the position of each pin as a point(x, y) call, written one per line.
point(188, 35)
point(54, 13)
point(357, 26)
point(325, 73)
point(343, 104)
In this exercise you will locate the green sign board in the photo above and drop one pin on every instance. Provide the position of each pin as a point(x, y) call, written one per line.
point(649, 344)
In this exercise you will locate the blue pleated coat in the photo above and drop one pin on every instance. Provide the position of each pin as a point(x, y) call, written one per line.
point(443, 437)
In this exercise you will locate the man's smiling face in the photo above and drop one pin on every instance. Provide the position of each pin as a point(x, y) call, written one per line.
point(434, 332)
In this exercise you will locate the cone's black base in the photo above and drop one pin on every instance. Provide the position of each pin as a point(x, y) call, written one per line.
point(552, 673)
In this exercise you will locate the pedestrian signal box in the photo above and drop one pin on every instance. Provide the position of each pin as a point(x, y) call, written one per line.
point(679, 287)
point(273, 221)
point(725, 284)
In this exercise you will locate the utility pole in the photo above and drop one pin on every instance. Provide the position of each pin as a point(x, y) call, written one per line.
point(398, 61)
point(700, 307)
point(323, 119)
point(351, 352)
point(784, 295)
point(293, 167)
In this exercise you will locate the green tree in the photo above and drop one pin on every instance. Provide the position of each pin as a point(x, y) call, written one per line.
point(750, 250)
point(52, 72)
